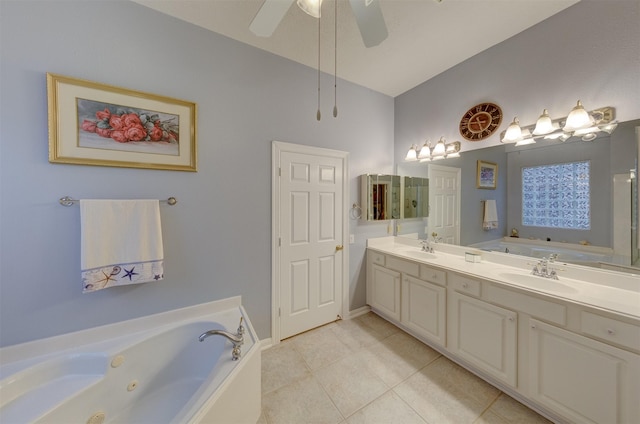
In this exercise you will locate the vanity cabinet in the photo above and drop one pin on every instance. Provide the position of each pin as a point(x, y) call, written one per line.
point(385, 291)
point(568, 360)
point(485, 336)
point(585, 380)
point(423, 309)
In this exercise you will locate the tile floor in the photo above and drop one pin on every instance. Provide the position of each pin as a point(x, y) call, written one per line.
point(366, 370)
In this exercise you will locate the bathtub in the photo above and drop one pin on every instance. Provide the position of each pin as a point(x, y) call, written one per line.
point(566, 252)
point(148, 370)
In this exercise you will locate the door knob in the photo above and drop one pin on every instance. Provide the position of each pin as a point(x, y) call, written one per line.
point(339, 247)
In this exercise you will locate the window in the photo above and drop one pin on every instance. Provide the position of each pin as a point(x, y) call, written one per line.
point(557, 196)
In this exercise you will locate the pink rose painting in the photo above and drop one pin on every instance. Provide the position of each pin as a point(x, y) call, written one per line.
point(115, 127)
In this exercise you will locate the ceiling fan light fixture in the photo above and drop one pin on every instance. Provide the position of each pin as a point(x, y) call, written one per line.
point(310, 7)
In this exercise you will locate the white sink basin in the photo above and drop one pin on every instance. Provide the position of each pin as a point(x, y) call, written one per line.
point(539, 283)
point(417, 254)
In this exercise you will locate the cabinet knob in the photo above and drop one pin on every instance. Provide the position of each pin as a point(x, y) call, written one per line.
point(465, 285)
point(611, 331)
point(511, 318)
point(533, 326)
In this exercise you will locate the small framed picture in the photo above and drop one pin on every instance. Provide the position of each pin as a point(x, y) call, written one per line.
point(487, 176)
point(97, 124)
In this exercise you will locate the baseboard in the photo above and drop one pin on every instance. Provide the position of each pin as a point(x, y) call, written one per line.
point(358, 312)
point(266, 343)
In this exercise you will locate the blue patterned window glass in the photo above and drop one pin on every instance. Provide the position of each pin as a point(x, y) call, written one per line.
point(557, 196)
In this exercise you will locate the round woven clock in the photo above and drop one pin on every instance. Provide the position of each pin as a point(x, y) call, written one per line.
point(481, 121)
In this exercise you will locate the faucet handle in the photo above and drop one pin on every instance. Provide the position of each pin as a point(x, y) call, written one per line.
point(241, 327)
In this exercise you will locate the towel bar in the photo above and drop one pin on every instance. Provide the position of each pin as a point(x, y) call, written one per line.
point(68, 201)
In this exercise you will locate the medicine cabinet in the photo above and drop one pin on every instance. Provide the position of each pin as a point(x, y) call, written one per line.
point(393, 197)
point(380, 197)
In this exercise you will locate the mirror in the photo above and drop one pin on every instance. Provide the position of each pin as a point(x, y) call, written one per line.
point(415, 197)
point(380, 196)
point(621, 156)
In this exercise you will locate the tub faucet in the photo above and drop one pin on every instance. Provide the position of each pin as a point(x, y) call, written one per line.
point(237, 339)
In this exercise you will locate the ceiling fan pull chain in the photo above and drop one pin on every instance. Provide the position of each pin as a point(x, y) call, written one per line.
point(335, 60)
point(318, 114)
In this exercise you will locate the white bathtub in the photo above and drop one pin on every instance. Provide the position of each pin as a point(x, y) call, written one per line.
point(566, 252)
point(148, 370)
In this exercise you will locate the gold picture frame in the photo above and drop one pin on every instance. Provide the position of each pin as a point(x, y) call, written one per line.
point(487, 175)
point(98, 124)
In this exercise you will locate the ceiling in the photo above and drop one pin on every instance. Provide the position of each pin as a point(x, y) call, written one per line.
point(426, 37)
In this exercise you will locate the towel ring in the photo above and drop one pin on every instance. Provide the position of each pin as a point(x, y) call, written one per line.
point(356, 211)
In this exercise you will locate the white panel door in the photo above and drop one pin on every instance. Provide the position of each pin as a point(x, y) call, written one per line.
point(444, 203)
point(311, 231)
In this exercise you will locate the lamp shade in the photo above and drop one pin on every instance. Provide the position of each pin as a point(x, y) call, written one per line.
point(310, 7)
point(578, 119)
point(513, 133)
point(425, 152)
point(439, 148)
point(411, 154)
point(544, 125)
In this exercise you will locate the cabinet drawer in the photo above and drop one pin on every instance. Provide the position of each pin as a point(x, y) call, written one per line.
point(433, 275)
point(612, 330)
point(376, 258)
point(403, 266)
point(534, 306)
point(465, 285)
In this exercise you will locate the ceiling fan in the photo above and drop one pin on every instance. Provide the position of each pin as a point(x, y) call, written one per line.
point(367, 12)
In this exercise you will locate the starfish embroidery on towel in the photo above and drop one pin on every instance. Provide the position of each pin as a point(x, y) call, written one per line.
point(129, 273)
point(107, 278)
point(157, 277)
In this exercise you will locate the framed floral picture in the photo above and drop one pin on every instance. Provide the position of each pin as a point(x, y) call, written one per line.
point(97, 124)
point(487, 176)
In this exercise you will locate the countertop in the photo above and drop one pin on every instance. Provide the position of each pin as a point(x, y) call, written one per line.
point(612, 291)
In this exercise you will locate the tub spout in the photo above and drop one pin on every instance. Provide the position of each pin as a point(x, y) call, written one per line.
point(236, 339)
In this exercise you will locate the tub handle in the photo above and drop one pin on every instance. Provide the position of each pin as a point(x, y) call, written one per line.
point(241, 327)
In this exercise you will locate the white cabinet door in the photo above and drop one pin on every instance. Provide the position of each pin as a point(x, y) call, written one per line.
point(423, 308)
point(485, 336)
point(385, 291)
point(584, 380)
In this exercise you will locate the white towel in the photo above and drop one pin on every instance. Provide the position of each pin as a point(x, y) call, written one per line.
point(121, 243)
point(490, 217)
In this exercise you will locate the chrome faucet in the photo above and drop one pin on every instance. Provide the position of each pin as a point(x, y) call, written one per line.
point(542, 269)
point(237, 339)
point(426, 246)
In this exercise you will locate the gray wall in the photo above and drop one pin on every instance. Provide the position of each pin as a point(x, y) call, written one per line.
point(217, 238)
point(590, 51)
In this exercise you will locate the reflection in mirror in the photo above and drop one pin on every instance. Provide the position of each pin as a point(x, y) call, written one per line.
point(621, 154)
point(380, 197)
point(415, 197)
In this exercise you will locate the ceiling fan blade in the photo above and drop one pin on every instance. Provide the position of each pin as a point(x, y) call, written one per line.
point(269, 16)
point(370, 21)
